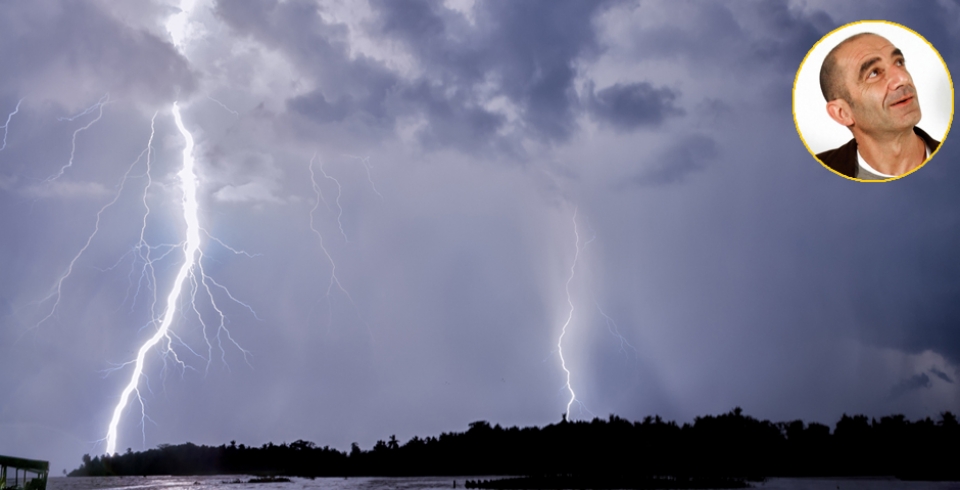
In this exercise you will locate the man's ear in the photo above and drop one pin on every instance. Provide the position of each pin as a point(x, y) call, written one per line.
point(839, 110)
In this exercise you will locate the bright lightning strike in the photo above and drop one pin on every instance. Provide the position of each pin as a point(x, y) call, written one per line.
point(191, 254)
point(191, 274)
point(563, 331)
point(6, 125)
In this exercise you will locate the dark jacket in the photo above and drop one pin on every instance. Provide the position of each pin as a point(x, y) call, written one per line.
point(844, 159)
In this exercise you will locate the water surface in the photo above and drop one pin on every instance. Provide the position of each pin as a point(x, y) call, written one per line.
point(417, 483)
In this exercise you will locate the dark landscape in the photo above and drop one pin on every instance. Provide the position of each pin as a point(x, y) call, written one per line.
point(722, 451)
point(608, 482)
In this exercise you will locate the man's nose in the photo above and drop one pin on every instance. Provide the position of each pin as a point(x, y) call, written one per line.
point(898, 76)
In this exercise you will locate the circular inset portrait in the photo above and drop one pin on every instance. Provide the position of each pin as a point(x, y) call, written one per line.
point(873, 101)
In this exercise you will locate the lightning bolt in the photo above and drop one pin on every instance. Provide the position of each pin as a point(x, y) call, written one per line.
point(191, 250)
point(190, 274)
point(316, 188)
point(143, 250)
point(365, 161)
point(73, 145)
point(57, 292)
point(224, 106)
point(334, 280)
point(615, 331)
point(563, 330)
point(611, 324)
point(6, 125)
point(88, 110)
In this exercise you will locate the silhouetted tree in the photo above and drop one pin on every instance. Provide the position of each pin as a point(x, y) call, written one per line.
point(726, 445)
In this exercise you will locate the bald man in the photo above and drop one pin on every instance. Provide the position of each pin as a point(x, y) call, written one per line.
point(869, 90)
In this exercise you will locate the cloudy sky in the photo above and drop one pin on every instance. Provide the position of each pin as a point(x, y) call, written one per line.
point(394, 194)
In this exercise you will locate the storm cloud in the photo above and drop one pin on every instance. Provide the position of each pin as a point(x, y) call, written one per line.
point(633, 105)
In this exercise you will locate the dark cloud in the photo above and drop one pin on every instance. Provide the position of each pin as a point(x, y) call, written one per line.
point(940, 374)
point(455, 119)
point(708, 32)
point(316, 106)
point(911, 384)
point(422, 24)
point(743, 49)
point(922, 275)
point(786, 34)
point(74, 50)
point(346, 86)
point(532, 47)
point(634, 105)
point(525, 50)
point(712, 111)
point(936, 22)
point(688, 156)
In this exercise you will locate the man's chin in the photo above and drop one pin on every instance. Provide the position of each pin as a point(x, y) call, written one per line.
point(914, 119)
point(905, 121)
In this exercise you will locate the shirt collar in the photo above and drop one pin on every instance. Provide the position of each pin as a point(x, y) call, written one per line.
point(866, 166)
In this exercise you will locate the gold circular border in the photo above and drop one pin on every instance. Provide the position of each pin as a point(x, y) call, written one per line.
point(945, 69)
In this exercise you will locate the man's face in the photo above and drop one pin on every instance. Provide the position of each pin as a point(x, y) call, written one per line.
point(882, 95)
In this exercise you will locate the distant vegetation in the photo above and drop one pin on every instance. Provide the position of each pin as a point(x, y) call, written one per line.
point(729, 445)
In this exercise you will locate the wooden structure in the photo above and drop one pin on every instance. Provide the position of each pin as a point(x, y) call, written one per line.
point(28, 474)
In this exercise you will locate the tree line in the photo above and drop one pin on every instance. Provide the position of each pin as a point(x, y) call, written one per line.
point(726, 445)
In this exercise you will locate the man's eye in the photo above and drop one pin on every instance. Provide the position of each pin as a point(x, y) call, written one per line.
point(873, 74)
